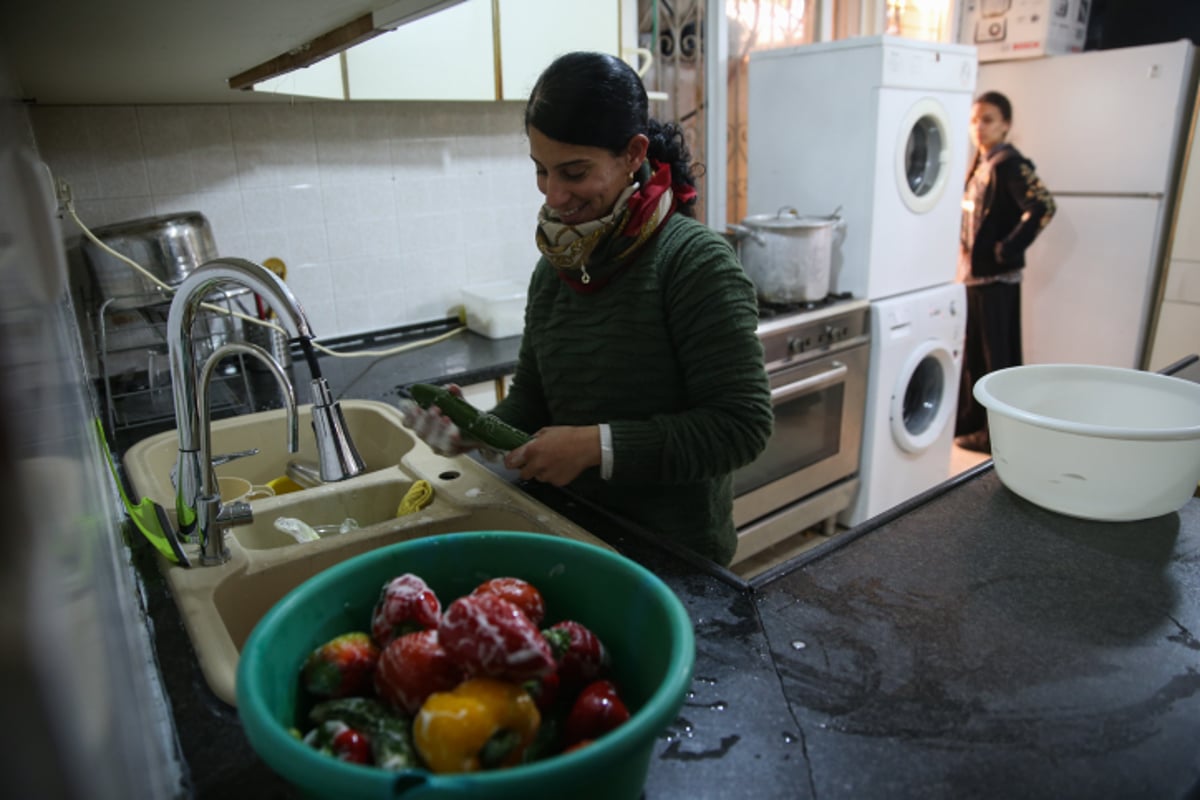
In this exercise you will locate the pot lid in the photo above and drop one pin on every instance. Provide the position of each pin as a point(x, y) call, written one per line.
point(788, 218)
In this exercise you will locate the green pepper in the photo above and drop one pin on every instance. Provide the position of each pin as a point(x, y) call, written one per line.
point(391, 739)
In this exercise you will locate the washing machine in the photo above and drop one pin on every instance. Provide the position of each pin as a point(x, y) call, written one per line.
point(912, 396)
point(878, 127)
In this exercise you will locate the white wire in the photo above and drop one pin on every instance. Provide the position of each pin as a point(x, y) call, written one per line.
point(69, 206)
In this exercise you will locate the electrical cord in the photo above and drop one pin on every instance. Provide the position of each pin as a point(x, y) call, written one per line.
point(66, 204)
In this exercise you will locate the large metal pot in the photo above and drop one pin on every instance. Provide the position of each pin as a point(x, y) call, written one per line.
point(169, 246)
point(788, 256)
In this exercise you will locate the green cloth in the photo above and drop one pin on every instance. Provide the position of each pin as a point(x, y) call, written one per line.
point(667, 355)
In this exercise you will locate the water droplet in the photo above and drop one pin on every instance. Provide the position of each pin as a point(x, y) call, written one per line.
point(798, 645)
point(691, 695)
point(720, 705)
point(789, 738)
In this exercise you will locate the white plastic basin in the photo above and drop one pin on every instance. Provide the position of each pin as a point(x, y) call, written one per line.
point(1093, 442)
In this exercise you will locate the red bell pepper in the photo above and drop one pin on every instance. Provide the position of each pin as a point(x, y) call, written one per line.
point(522, 594)
point(413, 667)
point(489, 636)
point(579, 653)
point(342, 667)
point(405, 604)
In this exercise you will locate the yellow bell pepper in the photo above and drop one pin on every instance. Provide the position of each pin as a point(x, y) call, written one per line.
point(483, 723)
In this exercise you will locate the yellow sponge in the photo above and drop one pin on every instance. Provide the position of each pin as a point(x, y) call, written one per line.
point(283, 485)
point(416, 498)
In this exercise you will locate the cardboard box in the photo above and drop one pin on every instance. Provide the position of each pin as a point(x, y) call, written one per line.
point(1010, 29)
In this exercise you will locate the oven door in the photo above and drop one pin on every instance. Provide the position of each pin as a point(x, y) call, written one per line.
point(819, 409)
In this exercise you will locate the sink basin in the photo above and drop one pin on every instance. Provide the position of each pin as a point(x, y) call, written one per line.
point(220, 605)
point(380, 438)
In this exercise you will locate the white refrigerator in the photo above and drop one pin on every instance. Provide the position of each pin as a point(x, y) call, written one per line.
point(1105, 130)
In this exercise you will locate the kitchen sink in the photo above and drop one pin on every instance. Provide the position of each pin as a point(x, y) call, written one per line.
point(378, 435)
point(221, 604)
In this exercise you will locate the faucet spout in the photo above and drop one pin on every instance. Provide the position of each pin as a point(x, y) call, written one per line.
point(213, 517)
point(335, 450)
point(339, 459)
point(184, 371)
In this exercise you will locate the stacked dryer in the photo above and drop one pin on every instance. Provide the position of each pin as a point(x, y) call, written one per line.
point(878, 126)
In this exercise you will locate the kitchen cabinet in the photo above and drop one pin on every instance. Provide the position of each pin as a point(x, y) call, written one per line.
point(476, 50)
point(79, 52)
point(576, 25)
point(75, 52)
point(321, 80)
point(445, 56)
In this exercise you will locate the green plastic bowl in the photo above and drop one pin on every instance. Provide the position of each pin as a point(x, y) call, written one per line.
point(639, 619)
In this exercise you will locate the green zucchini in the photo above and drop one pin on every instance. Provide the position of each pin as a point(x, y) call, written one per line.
point(484, 428)
point(390, 734)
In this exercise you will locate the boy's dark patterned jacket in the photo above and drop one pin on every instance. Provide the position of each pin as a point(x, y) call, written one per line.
point(1005, 207)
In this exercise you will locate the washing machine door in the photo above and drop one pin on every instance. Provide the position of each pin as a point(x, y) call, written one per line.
point(923, 155)
point(924, 397)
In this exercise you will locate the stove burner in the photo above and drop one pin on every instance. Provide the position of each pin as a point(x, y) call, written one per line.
point(769, 310)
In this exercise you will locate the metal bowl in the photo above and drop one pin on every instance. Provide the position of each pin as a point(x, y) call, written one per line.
point(169, 247)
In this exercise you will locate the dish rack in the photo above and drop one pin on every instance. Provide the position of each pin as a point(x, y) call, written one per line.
point(133, 367)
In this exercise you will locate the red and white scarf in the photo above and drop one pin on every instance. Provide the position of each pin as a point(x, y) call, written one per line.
point(640, 210)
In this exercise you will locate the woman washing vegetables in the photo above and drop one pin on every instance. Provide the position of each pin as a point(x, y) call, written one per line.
point(640, 373)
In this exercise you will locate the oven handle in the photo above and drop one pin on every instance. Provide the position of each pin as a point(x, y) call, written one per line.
point(835, 374)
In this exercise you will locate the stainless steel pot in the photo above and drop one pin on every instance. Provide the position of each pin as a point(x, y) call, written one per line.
point(788, 256)
point(169, 246)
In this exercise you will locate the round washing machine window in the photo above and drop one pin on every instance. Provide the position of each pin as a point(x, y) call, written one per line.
point(923, 155)
point(924, 397)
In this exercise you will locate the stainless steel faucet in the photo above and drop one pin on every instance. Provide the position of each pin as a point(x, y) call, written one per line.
point(338, 456)
point(213, 518)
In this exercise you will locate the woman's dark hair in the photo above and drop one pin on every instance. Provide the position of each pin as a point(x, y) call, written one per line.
point(597, 100)
point(999, 101)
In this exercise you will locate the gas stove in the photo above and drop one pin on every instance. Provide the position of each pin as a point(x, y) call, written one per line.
point(769, 310)
point(795, 331)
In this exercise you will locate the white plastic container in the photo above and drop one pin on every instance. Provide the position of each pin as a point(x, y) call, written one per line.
point(496, 309)
point(1100, 443)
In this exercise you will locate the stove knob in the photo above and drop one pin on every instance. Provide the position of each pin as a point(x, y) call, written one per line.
point(795, 345)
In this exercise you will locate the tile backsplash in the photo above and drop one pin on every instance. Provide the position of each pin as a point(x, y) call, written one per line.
point(382, 212)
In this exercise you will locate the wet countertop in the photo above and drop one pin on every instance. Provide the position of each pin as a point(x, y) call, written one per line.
point(966, 643)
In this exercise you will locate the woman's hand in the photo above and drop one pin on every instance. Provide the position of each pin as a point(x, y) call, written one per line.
point(557, 454)
point(436, 430)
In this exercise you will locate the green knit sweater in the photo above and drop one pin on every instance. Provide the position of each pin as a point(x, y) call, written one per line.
point(667, 355)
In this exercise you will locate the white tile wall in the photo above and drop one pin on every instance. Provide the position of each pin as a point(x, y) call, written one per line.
point(381, 211)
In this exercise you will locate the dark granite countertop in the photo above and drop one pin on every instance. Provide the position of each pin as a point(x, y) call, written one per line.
point(965, 644)
point(463, 357)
